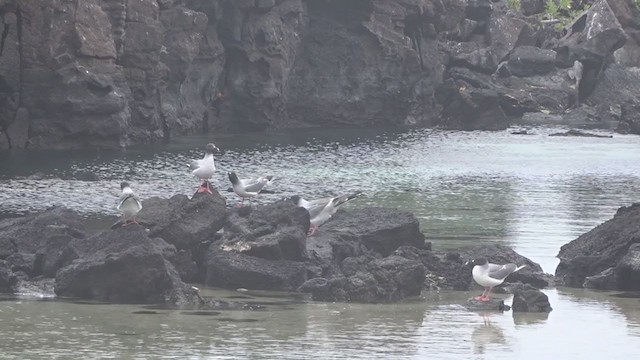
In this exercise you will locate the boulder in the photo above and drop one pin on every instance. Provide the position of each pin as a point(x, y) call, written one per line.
point(592, 38)
point(600, 249)
point(530, 60)
point(126, 266)
point(530, 300)
point(627, 270)
point(370, 280)
point(605, 280)
point(261, 248)
point(7, 278)
point(615, 99)
point(369, 230)
point(35, 243)
point(184, 222)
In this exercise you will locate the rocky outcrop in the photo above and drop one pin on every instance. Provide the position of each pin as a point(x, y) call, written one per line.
point(605, 257)
point(263, 248)
point(126, 266)
point(34, 244)
point(529, 299)
point(112, 73)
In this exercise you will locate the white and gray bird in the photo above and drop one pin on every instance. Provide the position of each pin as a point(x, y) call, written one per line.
point(248, 188)
point(490, 275)
point(205, 168)
point(129, 204)
point(321, 210)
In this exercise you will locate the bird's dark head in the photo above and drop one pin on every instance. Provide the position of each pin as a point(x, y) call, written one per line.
point(232, 177)
point(478, 261)
point(123, 185)
point(211, 148)
point(295, 199)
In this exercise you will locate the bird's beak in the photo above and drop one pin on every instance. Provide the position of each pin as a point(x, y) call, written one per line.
point(467, 263)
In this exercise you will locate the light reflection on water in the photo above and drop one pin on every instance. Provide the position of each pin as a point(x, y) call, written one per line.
point(534, 193)
point(583, 324)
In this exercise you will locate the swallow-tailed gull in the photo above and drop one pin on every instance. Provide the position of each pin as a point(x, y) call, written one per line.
point(321, 210)
point(205, 168)
point(128, 204)
point(248, 188)
point(490, 275)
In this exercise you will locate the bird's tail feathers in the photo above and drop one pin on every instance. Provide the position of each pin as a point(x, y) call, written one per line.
point(345, 198)
point(519, 267)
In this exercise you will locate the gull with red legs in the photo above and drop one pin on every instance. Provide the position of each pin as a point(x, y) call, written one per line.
point(205, 168)
point(490, 275)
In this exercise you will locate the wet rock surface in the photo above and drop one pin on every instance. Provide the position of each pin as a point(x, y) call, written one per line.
point(529, 299)
point(123, 265)
point(606, 256)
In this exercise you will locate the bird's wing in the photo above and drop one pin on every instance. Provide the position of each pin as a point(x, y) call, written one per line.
point(138, 202)
point(315, 207)
point(502, 271)
point(194, 164)
point(125, 197)
point(254, 185)
point(340, 200)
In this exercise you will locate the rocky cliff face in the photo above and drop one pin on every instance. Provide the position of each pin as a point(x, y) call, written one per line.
point(110, 73)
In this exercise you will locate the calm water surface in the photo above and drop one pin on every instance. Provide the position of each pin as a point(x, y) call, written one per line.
point(534, 193)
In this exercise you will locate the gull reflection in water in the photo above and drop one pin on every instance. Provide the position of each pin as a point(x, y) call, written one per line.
point(486, 334)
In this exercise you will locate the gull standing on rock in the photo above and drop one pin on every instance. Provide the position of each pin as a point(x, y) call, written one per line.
point(128, 204)
point(321, 210)
point(248, 188)
point(205, 168)
point(490, 275)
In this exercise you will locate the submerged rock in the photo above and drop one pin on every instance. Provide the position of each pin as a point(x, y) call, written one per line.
point(492, 305)
point(126, 266)
point(530, 300)
point(607, 246)
point(578, 133)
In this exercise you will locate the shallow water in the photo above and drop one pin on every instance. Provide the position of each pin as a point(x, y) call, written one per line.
point(583, 325)
point(534, 193)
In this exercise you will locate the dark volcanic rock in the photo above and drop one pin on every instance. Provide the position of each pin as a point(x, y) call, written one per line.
point(615, 98)
point(261, 249)
point(531, 60)
point(530, 300)
point(7, 278)
point(123, 265)
point(184, 222)
point(491, 305)
point(605, 280)
point(34, 243)
point(592, 38)
point(627, 271)
point(377, 230)
point(578, 133)
point(367, 279)
point(600, 249)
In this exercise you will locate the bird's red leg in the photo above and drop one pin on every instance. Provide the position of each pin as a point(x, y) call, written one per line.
point(208, 189)
point(486, 297)
point(312, 230)
point(480, 297)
